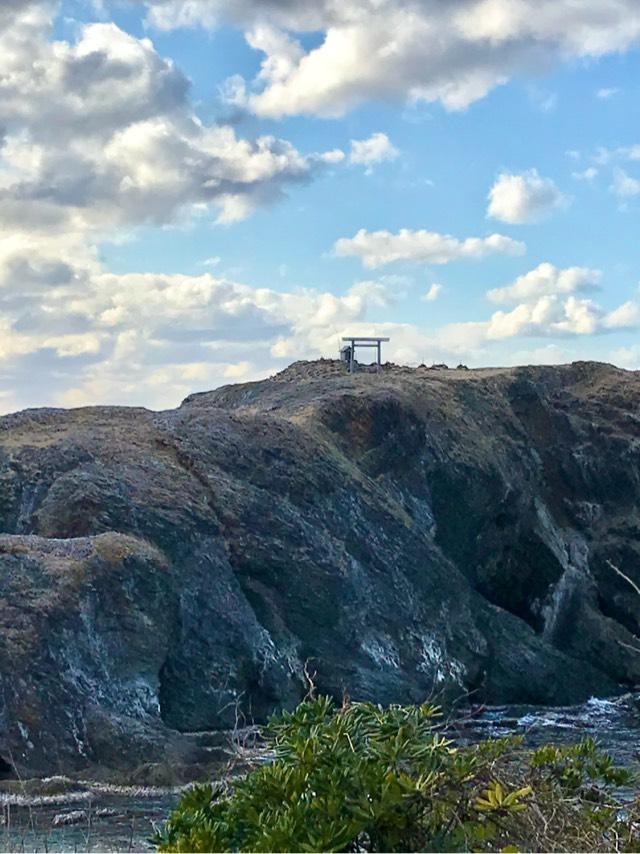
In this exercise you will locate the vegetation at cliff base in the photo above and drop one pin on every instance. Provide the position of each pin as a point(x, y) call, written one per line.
point(363, 778)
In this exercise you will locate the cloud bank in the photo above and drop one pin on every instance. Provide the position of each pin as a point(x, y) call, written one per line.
point(377, 248)
point(100, 136)
point(454, 52)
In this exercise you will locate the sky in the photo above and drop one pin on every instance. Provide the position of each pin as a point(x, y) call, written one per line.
point(199, 192)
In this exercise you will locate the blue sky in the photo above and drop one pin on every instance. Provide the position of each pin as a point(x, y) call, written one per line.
point(200, 191)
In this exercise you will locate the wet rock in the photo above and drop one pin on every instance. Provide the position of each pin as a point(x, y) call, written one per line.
point(406, 534)
point(107, 812)
point(68, 818)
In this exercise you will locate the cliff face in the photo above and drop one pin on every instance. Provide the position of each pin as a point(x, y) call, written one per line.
point(410, 533)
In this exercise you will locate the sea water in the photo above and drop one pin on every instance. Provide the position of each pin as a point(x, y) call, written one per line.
point(91, 816)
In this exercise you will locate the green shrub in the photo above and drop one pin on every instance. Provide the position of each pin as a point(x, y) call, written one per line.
point(363, 778)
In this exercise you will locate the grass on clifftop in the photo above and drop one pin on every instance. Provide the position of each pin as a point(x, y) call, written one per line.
point(363, 778)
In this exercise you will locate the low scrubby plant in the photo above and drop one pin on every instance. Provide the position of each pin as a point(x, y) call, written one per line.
point(364, 778)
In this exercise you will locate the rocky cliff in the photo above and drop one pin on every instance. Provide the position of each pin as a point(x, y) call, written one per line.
point(410, 533)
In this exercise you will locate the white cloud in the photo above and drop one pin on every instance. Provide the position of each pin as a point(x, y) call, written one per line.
point(606, 93)
point(99, 136)
point(72, 333)
point(626, 316)
point(336, 155)
point(586, 175)
point(376, 248)
point(233, 91)
point(627, 357)
point(549, 316)
point(85, 335)
point(383, 291)
point(547, 306)
point(376, 149)
point(544, 280)
point(238, 371)
point(546, 102)
point(604, 156)
point(174, 14)
point(523, 198)
point(427, 50)
point(433, 293)
point(549, 354)
point(624, 185)
point(100, 133)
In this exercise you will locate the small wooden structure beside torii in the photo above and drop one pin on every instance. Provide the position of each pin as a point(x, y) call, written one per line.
point(348, 350)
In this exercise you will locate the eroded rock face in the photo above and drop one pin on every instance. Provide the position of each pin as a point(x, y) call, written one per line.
point(408, 534)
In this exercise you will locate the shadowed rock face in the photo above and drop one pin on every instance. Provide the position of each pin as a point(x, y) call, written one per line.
point(410, 533)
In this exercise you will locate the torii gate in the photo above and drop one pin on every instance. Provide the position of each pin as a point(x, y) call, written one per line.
point(348, 352)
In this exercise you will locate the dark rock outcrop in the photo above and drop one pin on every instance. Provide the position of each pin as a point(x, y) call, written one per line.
point(410, 533)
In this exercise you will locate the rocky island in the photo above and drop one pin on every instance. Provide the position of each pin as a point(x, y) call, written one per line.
point(405, 534)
